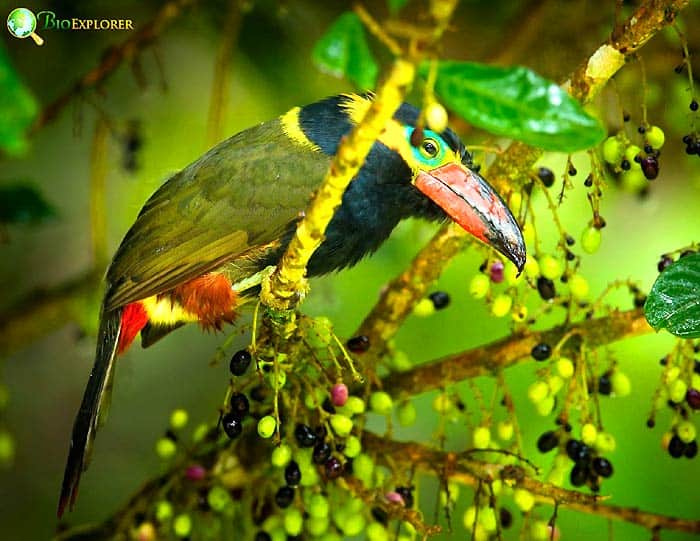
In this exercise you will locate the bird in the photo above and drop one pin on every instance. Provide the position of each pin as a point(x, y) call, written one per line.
point(201, 244)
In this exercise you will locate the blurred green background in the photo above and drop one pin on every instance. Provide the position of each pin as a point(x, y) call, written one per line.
point(270, 72)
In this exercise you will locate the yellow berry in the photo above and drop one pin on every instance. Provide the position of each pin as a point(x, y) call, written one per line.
point(469, 517)
point(539, 531)
point(537, 391)
point(505, 430)
point(633, 180)
point(424, 308)
point(528, 234)
point(515, 202)
point(550, 267)
point(555, 383)
point(501, 305)
point(565, 367)
point(436, 117)
point(381, 402)
point(165, 448)
point(671, 375)
point(677, 390)
point(182, 525)
point(590, 240)
point(511, 274)
point(519, 313)
point(655, 137)
point(578, 286)
point(545, 406)
point(686, 431)
point(487, 518)
point(630, 153)
point(442, 403)
point(532, 268)
point(178, 419)
point(612, 150)
point(479, 286)
point(589, 433)
point(523, 499)
point(605, 442)
point(481, 437)
point(621, 384)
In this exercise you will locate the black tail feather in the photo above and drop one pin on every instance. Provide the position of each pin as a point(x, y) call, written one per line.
point(86, 421)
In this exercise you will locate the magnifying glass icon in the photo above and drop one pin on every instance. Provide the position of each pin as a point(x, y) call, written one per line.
point(21, 22)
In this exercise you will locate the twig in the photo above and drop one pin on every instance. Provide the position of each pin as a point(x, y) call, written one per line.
point(503, 353)
point(113, 58)
point(469, 471)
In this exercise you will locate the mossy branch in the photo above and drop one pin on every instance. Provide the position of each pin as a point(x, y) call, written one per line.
point(399, 297)
point(494, 357)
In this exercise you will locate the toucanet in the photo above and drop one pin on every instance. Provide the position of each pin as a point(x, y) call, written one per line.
point(200, 245)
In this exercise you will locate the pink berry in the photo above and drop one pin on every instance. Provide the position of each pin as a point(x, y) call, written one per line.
point(195, 472)
point(496, 272)
point(394, 497)
point(339, 394)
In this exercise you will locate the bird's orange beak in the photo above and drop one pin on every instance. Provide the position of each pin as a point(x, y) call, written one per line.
point(471, 202)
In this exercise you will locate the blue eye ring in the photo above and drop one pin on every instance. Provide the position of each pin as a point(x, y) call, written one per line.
point(432, 149)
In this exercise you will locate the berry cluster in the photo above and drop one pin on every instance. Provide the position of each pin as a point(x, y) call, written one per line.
point(634, 164)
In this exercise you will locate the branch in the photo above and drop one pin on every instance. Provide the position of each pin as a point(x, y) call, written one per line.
point(399, 297)
point(470, 471)
point(494, 357)
point(43, 311)
point(112, 58)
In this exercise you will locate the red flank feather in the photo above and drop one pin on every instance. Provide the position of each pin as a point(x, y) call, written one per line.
point(134, 318)
point(210, 298)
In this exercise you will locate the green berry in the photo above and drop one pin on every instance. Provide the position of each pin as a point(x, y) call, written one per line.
point(353, 447)
point(355, 405)
point(590, 240)
point(178, 419)
point(555, 383)
point(164, 510)
point(677, 390)
point(317, 526)
point(182, 525)
point(354, 524)
point(501, 305)
point(537, 391)
point(565, 367)
point(376, 532)
point(7, 448)
point(686, 431)
point(406, 413)
point(317, 506)
point(267, 426)
point(218, 498)
point(612, 150)
point(341, 424)
point(442, 403)
point(532, 268)
point(579, 287)
point(381, 402)
point(363, 469)
point(550, 267)
point(165, 448)
point(479, 286)
point(487, 518)
point(621, 384)
point(277, 534)
point(505, 430)
point(278, 380)
point(655, 136)
point(436, 117)
point(200, 432)
point(424, 308)
point(481, 437)
point(400, 362)
point(545, 406)
point(469, 517)
point(589, 433)
point(605, 442)
point(523, 499)
point(293, 521)
point(633, 180)
point(281, 456)
point(539, 531)
point(631, 153)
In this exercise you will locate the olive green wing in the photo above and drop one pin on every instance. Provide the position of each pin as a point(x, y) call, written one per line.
point(241, 196)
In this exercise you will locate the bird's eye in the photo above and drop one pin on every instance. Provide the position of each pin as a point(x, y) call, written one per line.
point(429, 148)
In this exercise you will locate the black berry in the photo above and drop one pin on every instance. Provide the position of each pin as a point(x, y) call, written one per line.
point(579, 475)
point(692, 397)
point(284, 497)
point(259, 393)
point(322, 452)
point(358, 344)
point(240, 362)
point(547, 441)
point(602, 466)
point(541, 352)
point(650, 167)
point(239, 405)
point(693, 105)
point(292, 474)
point(691, 449)
point(545, 288)
point(233, 425)
point(406, 494)
point(380, 515)
point(305, 436)
point(588, 182)
point(664, 263)
point(333, 467)
point(676, 447)
point(506, 517)
point(262, 536)
point(578, 451)
point(604, 384)
point(546, 176)
point(440, 299)
point(572, 171)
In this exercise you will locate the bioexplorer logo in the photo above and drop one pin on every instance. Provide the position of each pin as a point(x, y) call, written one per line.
point(22, 23)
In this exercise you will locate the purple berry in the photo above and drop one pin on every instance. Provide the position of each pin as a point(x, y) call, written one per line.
point(496, 272)
point(339, 394)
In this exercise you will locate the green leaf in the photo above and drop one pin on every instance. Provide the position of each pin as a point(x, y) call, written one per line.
point(22, 204)
point(396, 5)
point(17, 109)
point(343, 51)
point(674, 300)
point(516, 103)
